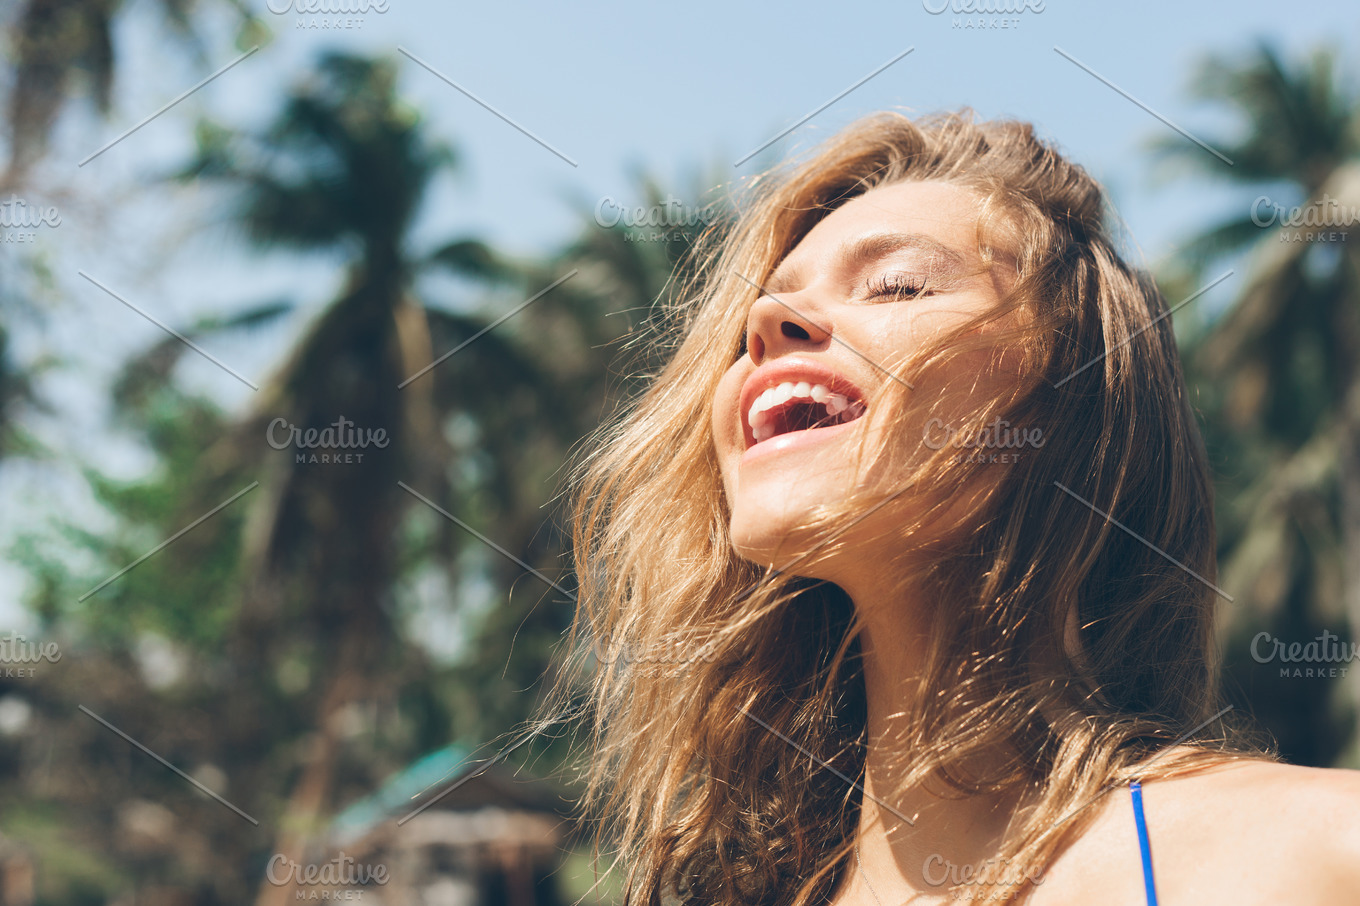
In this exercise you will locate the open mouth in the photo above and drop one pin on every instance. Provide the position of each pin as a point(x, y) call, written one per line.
point(800, 406)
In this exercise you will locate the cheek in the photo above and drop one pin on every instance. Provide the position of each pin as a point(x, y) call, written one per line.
point(981, 367)
point(725, 421)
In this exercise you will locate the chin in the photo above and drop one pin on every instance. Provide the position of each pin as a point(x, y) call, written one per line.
point(774, 531)
point(760, 546)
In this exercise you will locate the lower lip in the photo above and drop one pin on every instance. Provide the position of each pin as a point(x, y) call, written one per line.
point(795, 440)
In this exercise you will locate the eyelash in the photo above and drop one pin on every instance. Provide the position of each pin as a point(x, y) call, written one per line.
point(896, 286)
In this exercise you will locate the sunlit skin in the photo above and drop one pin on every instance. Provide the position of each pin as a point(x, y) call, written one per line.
point(1254, 833)
point(882, 276)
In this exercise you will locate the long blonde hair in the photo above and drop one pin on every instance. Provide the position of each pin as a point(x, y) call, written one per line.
point(703, 802)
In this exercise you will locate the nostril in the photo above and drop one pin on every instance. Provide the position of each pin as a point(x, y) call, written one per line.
point(794, 331)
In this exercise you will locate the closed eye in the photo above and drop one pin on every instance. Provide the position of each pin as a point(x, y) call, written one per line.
point(897, 287)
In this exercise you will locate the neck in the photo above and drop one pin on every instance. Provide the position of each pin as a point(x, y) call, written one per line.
point(909, 835)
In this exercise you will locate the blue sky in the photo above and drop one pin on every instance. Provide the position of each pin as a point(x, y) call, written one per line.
point(672, 86)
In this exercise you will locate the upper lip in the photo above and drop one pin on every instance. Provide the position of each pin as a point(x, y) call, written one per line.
point(792, 369)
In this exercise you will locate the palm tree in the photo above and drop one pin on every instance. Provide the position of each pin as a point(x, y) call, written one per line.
point(1279, 374)
point(58, 44)
point(300, 577)
point(344, 170)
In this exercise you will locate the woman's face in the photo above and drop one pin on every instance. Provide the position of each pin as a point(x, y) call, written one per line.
point(879, 279)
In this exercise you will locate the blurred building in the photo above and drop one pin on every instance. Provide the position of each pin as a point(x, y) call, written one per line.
point(450, 832)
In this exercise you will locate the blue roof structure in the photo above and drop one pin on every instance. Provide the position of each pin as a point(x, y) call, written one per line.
point(400, 792)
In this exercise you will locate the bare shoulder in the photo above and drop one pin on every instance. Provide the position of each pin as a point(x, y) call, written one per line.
point(1248, 832)
point(1258, 829)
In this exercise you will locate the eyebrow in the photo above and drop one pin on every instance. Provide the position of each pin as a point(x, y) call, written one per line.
point(871, 248)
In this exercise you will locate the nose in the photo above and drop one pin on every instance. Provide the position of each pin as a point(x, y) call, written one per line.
point(777, 325)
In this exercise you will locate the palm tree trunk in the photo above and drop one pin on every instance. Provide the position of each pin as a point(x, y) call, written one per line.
point(312, 790)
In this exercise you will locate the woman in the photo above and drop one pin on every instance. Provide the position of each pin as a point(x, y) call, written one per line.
point(903, 567)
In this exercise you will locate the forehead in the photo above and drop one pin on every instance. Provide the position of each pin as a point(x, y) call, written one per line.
point(940, 213)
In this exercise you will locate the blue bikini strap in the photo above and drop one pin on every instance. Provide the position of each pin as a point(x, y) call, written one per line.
point(1149, 886)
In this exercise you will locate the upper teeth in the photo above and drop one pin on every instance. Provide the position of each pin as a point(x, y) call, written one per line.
point(835, 404)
